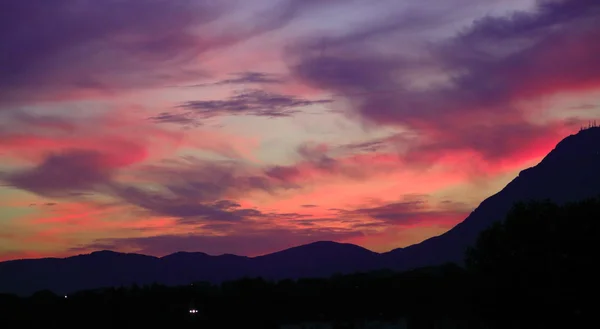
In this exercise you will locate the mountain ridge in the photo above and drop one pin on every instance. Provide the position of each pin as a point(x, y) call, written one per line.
point(577, 156)
point(108, 251)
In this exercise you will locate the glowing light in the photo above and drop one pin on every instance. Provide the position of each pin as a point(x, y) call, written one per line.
point(193, 311)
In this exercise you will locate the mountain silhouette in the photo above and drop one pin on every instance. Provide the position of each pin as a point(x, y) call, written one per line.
point(570, 172)
point(108, 268)
point(319, 259)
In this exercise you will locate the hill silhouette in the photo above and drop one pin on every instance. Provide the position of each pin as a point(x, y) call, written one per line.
point(568, 173)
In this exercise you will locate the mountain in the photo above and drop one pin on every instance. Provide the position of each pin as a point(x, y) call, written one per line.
point(318, 259)
point(108, 268)
point(570, 172)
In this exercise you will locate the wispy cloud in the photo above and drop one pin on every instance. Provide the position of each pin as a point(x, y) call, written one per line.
point(184, 119)
point(245, 78)
point(249, 102)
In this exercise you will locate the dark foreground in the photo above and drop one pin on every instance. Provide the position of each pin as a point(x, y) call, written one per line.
point(534, 270)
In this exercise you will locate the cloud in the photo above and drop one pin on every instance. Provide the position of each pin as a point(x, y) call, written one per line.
point(393, 143)
point(109, 159)
point(245, 78)
point(188, 210)
point(66, 174)
point(251, 238)
point(393, 212)
point(207, 180)
point(488, 145)
point(18, 120)
point(250, 102)
point(192, 190)
point(489, 70)
point(76, 49)
point(197, 191)
point(26, 136)
point(184, 119)
point(412, 210)
point(309, 206)
point(100, 45)
point(251, 77)
point(194, 199)
point(73, 49)
point(47, 204)
point(320, 161)
point(493, 143)
point(280, 13)
point(45, 158)
point(585, 107)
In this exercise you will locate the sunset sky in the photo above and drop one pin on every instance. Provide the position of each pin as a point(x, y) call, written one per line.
point(246, 127)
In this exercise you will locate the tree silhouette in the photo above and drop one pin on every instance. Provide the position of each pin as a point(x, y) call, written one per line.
point(540, 261)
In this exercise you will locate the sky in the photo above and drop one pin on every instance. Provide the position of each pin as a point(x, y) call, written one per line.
point(247, 127)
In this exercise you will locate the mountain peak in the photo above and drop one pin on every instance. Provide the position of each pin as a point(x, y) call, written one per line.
point(184, 255)
point(325, 245)
point(584, 144)
point(104, 253)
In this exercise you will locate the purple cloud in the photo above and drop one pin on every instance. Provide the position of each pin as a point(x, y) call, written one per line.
point(250, 102)
point(245, 78)
point(186, 119)
point(188, 210)
point(251, 78)
point(197, 191)
point(489, 67)
point(99, 45)
point(64, 174)
point(412, 210)
point(72, 47)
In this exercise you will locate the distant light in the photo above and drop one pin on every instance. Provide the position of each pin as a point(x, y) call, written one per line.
point(193, 311)
point(65, 296)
